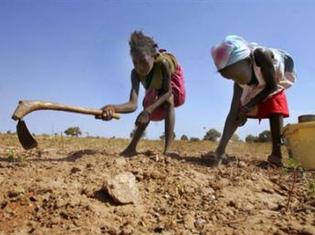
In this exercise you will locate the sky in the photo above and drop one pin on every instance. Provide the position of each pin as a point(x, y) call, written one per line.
point(76, 52)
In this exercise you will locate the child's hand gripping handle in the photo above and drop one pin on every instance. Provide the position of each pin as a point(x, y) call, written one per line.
point(107, 113)
point(114, 116)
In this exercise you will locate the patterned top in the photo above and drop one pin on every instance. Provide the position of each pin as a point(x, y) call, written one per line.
point(154, 80)
point(284, 79)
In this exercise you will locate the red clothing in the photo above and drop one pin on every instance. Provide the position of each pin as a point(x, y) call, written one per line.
point(178, 90)
point(276, 104)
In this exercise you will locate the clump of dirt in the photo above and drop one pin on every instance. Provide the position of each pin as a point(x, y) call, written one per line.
point(59, 189)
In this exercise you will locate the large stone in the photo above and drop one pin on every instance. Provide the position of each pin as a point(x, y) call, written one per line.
point(122, 188)
point(120, 161)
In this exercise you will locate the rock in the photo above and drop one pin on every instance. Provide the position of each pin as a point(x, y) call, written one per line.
point(242, 164)
point(3, 204)
point(221, 217)
point(138, 173)
point(60, 203)
point(17, 191)
point(279, 232)
point(207, 191)
point(157, 175)
point(122, 188)
point(120, 161)
point(127, 230)
point(109, 230)
point(247, 206)
point(308, 230)
point(227, 211)
point(89, 165)
point(75, 170)
point(232, 204)
point(271, 201)
point(199, 223)
point(189, 222)
point(223, 183)
point(167, 160)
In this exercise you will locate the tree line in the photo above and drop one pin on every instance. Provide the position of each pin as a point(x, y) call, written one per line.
point(211, 135)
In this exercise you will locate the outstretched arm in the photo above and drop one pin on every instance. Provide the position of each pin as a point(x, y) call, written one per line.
point(130, 106)
point(263, 59)
point(231, 122)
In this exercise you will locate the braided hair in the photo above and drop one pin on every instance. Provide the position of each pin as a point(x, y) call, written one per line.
point(141, 43)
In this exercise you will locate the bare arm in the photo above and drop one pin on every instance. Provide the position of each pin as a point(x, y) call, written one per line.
point(263, 59)
point(166, 87)
point(231, 123)
point(131, 105)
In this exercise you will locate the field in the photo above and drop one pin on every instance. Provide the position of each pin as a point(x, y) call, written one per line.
point(58, 189)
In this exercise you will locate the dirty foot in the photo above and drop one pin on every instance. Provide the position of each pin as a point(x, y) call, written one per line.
point(275, 160)
point(171, 154)
point(213, 159)
point(128, 152)
point(167, 152)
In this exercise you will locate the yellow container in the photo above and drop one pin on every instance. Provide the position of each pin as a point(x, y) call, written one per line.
point(300, 141)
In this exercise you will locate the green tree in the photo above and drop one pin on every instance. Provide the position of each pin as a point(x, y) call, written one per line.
point(264, 136)
point(184, 137)
point(132, 133)
point(194, 139)
point(235, 137)
point(73, 131)
point(212, 135)
point(162, 137)
point(251, 139)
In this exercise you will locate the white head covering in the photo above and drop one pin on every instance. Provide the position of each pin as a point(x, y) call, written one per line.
point(233, 49)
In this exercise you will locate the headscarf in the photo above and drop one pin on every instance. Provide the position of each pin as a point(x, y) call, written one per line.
point(231, 50)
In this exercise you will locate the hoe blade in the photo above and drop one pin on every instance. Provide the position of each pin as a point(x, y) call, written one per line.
point(24, 135)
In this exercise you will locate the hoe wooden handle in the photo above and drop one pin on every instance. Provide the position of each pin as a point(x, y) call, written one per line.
point(28, 106)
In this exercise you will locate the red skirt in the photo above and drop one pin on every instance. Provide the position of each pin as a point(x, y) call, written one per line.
point(178, 91)
point(276, 104)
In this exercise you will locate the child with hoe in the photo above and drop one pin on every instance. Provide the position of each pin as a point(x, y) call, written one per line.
point(162, 77)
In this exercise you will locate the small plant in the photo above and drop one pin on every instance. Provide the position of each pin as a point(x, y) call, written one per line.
point(292, 163)
point(311, 187)
point(10, 155)
point(13, 156)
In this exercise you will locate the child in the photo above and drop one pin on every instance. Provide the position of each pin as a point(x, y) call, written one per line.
point(260, 77)
point(162, 77)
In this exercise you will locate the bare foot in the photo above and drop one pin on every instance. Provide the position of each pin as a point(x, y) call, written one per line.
point(167, 152)
point(275, 160)
point(208, 156)
point(213, 158)
point(128, 152)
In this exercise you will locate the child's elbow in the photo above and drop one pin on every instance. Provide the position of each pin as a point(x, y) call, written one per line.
point(134, 107)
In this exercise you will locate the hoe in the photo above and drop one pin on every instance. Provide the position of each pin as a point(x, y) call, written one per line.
point(27, 106)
